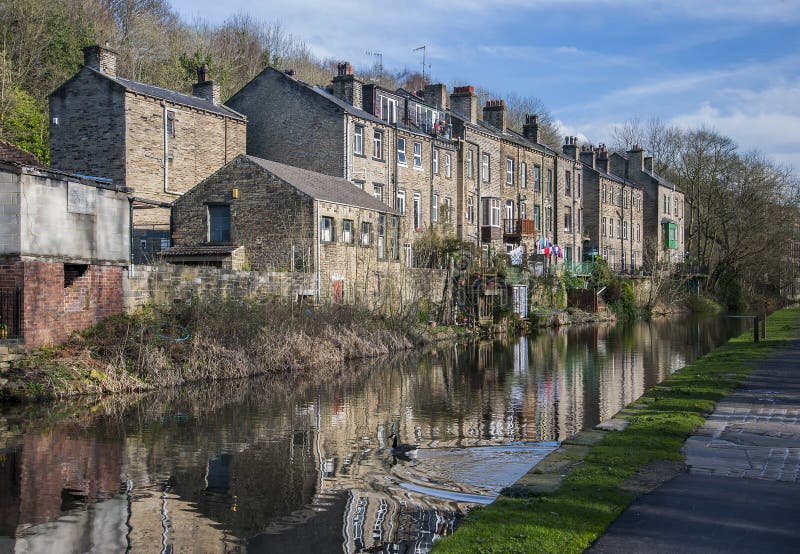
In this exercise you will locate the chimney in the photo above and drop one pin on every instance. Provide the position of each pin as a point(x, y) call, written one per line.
point(648, 163)
point(570, 147)
point(464, 101)
point(636, 158)
point(531, 128)
point(494, 113)
point(436, 95)
point(602, 158)
point(205, 87)
point(588, 156)
point(100, 58)
point(346, 87)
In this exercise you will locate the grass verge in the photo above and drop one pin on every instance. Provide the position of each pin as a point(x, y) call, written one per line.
point(595, 493)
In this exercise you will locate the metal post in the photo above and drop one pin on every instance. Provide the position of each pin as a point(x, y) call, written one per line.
point(755, 328)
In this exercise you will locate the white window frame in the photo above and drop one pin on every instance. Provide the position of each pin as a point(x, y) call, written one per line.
point(468, 163)
point(435, 207)
point(603, 228)
point(435, 160)
point(418, 155)
point(358, 140)
point(523, 175)
point(326, 233)
point(377, 191)
point(448, 204)
point(401, 151)
point(347, 231)
point(448, 165)
point(537, 178)
point(377, 144)
point(366, 234)
point(470, 209)
point(486, 174)
point(509, 171)
point(400, 201)
point(625, 229)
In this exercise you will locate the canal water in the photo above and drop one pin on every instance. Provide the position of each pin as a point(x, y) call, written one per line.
point(301, 466)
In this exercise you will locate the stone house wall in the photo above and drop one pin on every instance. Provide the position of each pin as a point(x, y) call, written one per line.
point(202, 143)
point(290, 124)
point(87, 127)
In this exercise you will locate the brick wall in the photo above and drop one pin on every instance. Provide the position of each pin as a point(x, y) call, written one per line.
point(52, 311)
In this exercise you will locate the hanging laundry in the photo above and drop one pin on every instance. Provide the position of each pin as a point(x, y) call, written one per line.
point(516, 255)
point(546, 251)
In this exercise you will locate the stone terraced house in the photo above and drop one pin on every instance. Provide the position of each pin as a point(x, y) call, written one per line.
point(663, 213)
point(267, 216)
point(156, 142)
point(613, 212)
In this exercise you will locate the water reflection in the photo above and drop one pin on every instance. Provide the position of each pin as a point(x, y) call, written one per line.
point(262, 466)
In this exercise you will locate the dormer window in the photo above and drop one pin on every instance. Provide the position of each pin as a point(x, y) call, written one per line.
point(388, 109)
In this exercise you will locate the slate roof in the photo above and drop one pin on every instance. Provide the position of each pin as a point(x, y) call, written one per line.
point(200, 250)
point(174, 96)
point(323, 187)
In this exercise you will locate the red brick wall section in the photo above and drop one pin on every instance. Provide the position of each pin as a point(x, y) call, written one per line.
point(52, 312)
point(11, 271)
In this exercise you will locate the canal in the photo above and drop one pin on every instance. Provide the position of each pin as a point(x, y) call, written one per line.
point(304, 466)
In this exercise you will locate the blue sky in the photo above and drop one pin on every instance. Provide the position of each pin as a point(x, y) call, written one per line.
point(732, 64)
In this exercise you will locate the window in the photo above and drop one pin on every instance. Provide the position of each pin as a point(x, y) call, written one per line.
point(666, 204)
point(509, 214)
point(537, 217)
point(580, 220)
point(381, 236)
point(326, 229)
point(377, 191)
point(633, 260)
point(468, 164)
point(603, 188)
point(219, 223)
point(619, 228)
point(619, 197)
point(417, 211)
point(377, 145)
point(625, 229)
point(417, 154)
point(675, 207)
point(388, 109)
point(567, 218)
point(359, 184)
point(485, 176)
point(358, 140)
point(435, 207)
point(523, 210)
point(448, 209)
point(470, 209)
point(509, 171)
point(170, 123)
point(347, 231)
point(638, 233)
point(491, 212)
point(567, 183)
point(366, 234)
point(447, 165)
point(578, 192)
point(548, 215)
point(537, 176)
point(523, 175)
point(549, 181)
point(603, 227)
point(400, 201)
point(624, 199)
point(401, 151)
point(435, 154)
point(394, 237)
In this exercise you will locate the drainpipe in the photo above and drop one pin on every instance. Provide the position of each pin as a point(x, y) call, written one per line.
point(130, 237)
point(315, 230)
point(347, 146)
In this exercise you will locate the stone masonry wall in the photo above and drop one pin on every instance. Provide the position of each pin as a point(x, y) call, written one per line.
point(89, 137)
point(166, 284)
point(290, 124)
point(202, 143)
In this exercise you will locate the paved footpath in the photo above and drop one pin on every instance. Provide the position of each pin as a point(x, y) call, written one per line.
point(742, 491)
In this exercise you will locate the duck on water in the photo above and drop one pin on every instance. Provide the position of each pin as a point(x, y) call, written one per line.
point(402, 449)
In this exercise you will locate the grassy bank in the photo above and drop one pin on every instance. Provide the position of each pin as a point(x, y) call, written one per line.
point(208, 340)
point(599, 487)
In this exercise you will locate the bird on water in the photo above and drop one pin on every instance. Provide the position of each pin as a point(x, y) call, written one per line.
point(402, 449)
